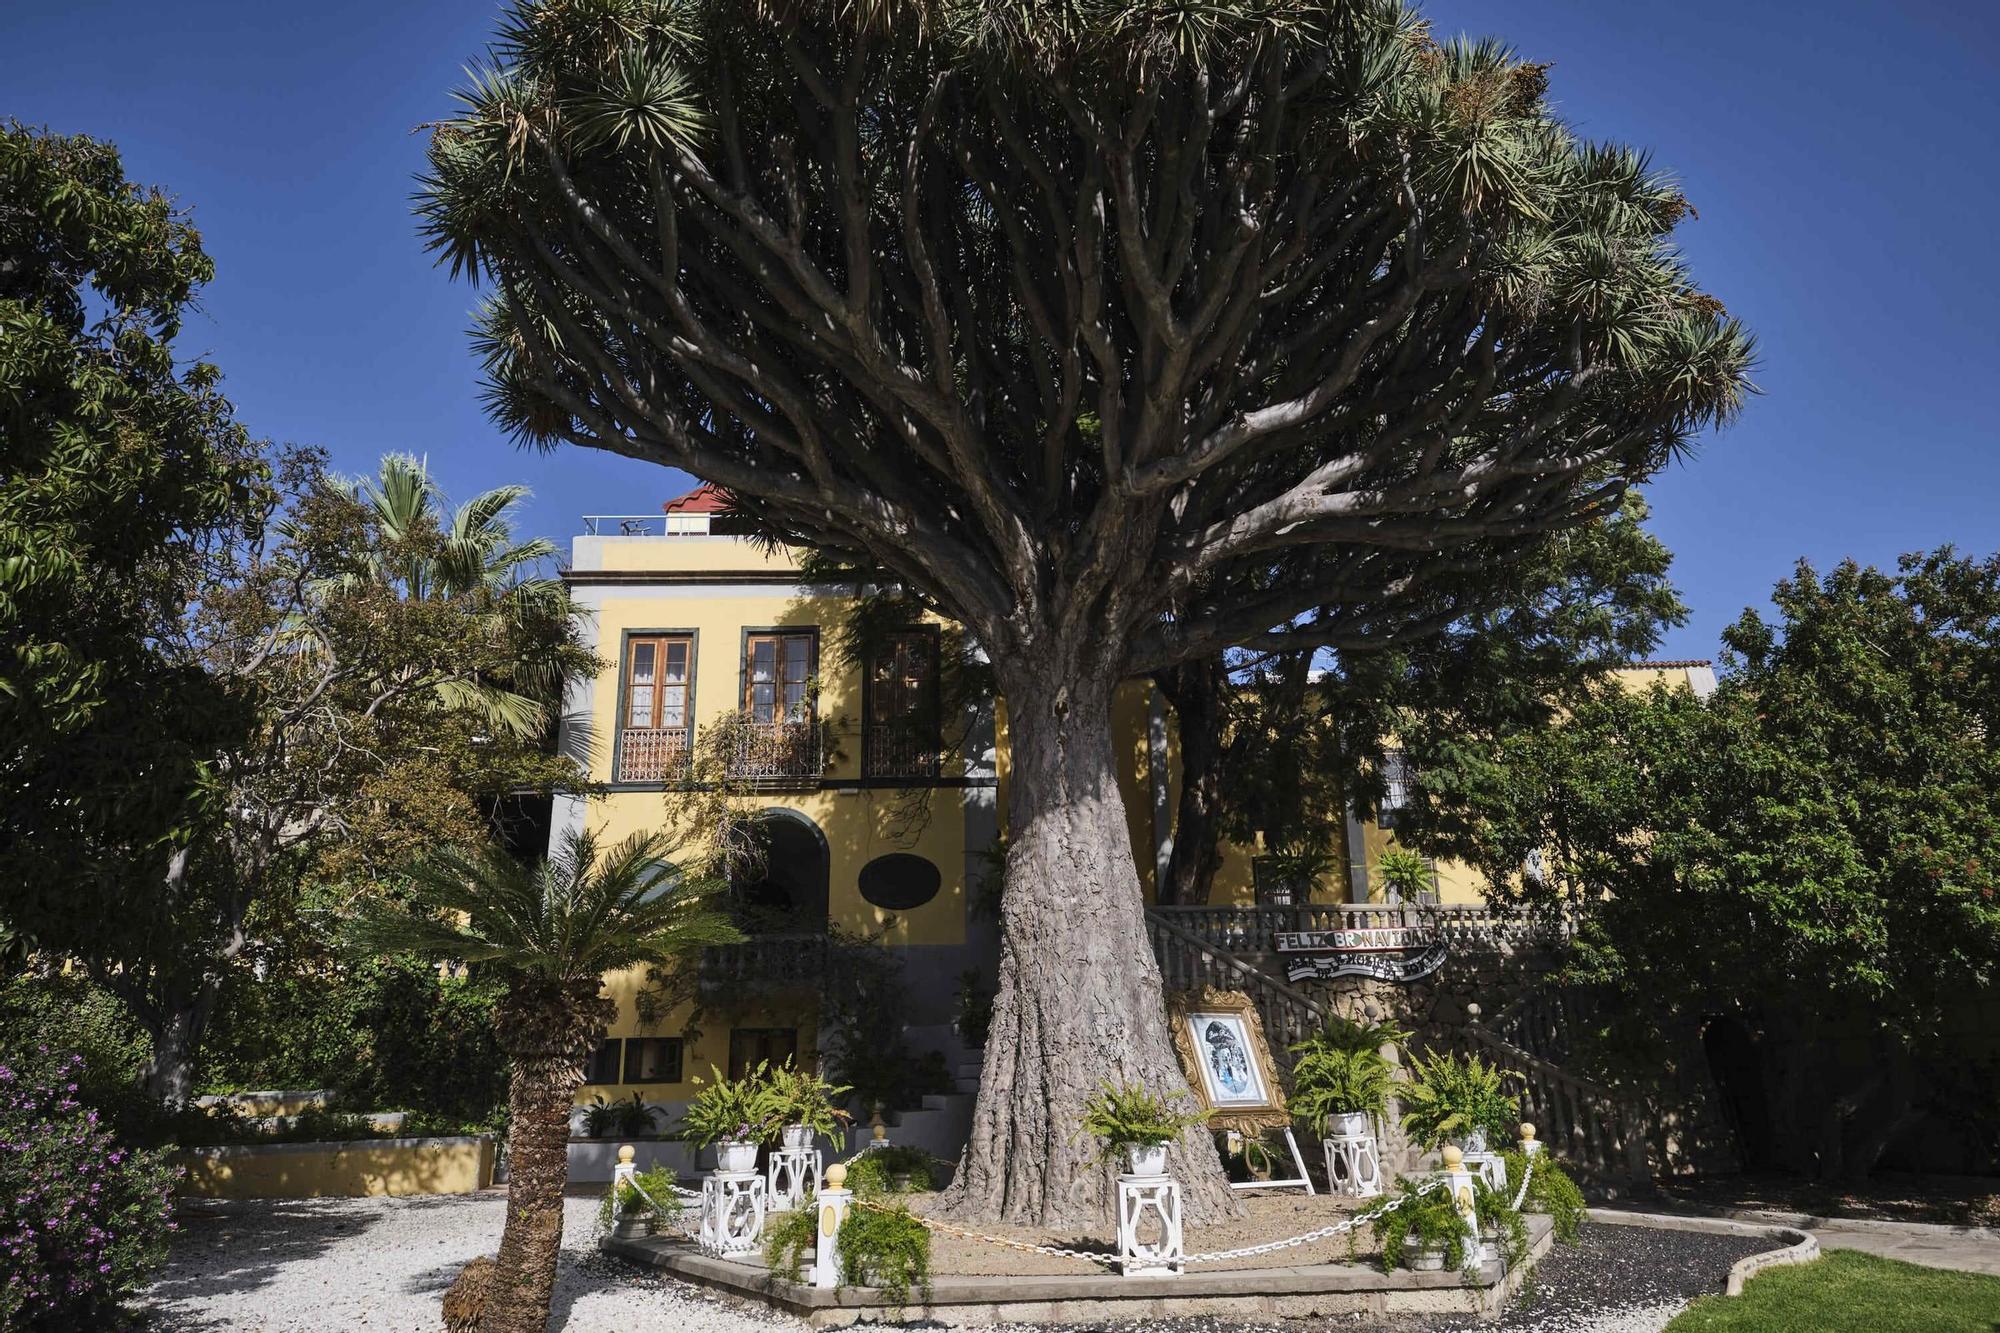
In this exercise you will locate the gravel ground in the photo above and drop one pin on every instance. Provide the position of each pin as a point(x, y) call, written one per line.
point(322, 1266)
point(328, 1265)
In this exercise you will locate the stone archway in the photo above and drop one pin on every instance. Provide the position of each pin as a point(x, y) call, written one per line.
point(787, 894)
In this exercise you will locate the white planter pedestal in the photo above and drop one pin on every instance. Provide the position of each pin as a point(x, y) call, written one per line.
point(1353, 1165)
point(1148, 1203)
point(732, 1212)
point(789, 1176)
point(1489, 1167)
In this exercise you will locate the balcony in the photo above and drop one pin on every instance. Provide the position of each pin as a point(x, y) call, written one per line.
point(763, 963)
point(778, 754)
point(1249, 930)
point(889, 750)
point(652, 754)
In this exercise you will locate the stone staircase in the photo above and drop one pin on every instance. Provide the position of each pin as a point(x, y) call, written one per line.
point(942, 1123)
point(1584, 1121)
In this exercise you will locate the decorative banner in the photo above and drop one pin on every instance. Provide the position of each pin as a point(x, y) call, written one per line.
point(1386, 953)
point(1372, 938)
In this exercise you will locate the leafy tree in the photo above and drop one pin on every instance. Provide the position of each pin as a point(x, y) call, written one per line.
point(1810, 848)
point(371, 728)
point(1284, 745)
point(1122, 336)
point(120, 469)
point(551, 932)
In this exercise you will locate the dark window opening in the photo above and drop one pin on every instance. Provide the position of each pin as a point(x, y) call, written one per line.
point(602, 1065)
point(750, 1046)
point(652, 1059)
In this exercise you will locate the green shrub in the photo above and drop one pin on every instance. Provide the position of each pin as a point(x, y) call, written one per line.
point(83, 1219)
point(884, 1247)
point(875, 1172)
point(630, 1118)
point(1125, 1115)
point(1431, 1220)
point(881, 1246)
point(729, 1108)
point(655, 1196)
point(790, 1239)
point(1551, 1190)
point(794, 1096)
point(1451, 1096)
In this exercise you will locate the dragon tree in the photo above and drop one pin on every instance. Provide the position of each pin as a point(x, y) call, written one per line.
point(1120, 334)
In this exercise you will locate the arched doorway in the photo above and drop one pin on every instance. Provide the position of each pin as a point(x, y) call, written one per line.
point(786, 892)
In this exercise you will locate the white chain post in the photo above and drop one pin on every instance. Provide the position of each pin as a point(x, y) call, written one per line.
point(1156, 1199)
point(1459, 1181)
point(1530, 1145)
point(789, 1175)
point(834, 1202)
point(621, 1177)
point(732, 1212)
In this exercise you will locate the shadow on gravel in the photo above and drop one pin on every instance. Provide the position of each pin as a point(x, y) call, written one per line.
point(231, 1248)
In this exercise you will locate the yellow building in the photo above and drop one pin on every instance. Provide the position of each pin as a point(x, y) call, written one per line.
point(880, 815)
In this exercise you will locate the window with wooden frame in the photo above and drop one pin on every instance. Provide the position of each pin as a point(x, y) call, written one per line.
point(777, 677)
point(902, 739)
point(654, 733)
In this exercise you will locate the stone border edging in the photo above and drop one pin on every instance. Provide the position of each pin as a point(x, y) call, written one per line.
point(1835, 1222)
point(1800, 1248)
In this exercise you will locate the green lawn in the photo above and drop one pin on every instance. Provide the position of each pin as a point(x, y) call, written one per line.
point(1846, 1289)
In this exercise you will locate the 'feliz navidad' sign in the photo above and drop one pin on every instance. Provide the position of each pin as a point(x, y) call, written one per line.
point(1385, 953)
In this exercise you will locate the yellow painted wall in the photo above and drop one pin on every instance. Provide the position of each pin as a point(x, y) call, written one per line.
point(859, 823)
point(316, 1170)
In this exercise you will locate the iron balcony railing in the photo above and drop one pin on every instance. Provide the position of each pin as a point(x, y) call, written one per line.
point(652, 754)
point(778, 753)
point(764, 962)
point(892, 751)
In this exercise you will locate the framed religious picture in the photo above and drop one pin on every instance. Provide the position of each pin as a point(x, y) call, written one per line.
point(1220, 1037)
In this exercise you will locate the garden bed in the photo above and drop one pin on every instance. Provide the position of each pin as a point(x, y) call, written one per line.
point(1294, 1287)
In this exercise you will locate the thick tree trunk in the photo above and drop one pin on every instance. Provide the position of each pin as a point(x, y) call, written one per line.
point(1195, 691)
point(1079, 1001)
point(546, 1035)
point(169, 1073)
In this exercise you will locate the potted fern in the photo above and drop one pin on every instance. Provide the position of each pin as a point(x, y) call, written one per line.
point(805, 1105)
point(1460, 1100)
point(731, 1114)
point(1340, 1079)
point(1129, 1119)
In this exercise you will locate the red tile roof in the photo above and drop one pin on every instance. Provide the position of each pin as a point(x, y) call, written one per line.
point(707, 498)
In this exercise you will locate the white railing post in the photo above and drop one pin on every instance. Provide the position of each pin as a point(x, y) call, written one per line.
point(834, 1202)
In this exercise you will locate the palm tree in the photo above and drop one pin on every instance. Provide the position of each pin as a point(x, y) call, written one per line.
point(424, 553)
point(552, 931)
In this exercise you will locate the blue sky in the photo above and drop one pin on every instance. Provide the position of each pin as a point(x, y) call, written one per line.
point(1842, 155)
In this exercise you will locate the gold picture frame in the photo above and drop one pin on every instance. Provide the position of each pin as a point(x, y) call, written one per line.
point(1219, 1036)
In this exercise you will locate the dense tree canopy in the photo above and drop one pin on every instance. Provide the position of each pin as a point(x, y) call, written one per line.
point(120, 469)
point(1120, 335)
point(1810, 849)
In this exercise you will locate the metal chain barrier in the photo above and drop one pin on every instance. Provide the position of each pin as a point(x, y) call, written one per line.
point(1527, 1174)
point(1111, 1260)
point(967, 1233)
point(1324, 1233)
